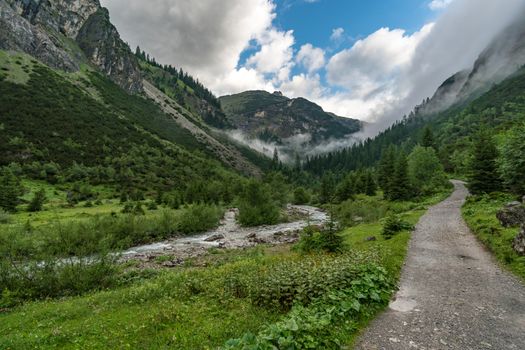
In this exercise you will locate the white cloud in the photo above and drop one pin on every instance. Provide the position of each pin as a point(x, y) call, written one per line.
point(380, 77)
point(439, 4)
point(312, 58)
point(275, 53)
point(337, 34)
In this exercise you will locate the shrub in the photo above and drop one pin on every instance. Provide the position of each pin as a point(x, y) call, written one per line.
point(361, 210)
point(317, 326)
point(199, 218)
point(302, 281)
point(393, 225)
point(256, 206)
point(5, 217)
point(314, 239)
point(38, 201)
point(301, 196)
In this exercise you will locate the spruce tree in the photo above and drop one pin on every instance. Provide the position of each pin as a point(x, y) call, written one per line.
point(427, 140)
point(483, 172)
point(387, 167)
point(38, 201)
point(10, 190)
point(370, 184)
point(400, 187)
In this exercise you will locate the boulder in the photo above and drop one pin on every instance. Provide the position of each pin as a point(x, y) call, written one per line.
point(513, 214)
point(214, 237)
point(371, 239)
point(519, 242)
point(251, 235)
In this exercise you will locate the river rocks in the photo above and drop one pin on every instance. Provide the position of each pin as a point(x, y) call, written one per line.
point(513, 214)
point(214, 237)
point(519, 241)
point(251, 236)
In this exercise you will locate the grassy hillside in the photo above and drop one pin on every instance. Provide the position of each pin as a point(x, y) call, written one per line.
point(498, 109)
point(52, 122)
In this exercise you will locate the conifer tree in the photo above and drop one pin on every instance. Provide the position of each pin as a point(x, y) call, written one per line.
point(10, 190)
point(427, 139)
point(370, 184)
point(387, 167)
point(483, 172)
point(400, 187)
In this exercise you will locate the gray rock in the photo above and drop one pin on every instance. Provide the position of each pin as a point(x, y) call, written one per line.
point(513, 214)
point(214, 237)
point(42, 29)
point(251, 236)
point(371, 239)
point(519, 242)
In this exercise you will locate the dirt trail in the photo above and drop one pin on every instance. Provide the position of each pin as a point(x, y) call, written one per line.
point(452, 295)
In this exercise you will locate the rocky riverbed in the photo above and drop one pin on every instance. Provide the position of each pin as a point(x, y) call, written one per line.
point(229, 235)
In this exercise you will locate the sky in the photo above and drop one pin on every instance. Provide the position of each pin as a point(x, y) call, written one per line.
point(373, 60)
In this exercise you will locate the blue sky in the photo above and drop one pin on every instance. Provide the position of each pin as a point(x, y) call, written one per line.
point(388, 57)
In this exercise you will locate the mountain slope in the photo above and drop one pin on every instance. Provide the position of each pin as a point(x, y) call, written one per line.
point(67, 34)
point(289, 123)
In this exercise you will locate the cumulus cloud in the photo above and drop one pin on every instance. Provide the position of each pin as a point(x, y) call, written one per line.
point(312, 58)
point(379, 78)
point(439, 4)
point(337, 34)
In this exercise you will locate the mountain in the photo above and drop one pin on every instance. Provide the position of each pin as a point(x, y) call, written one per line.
point(291, 124)
point(503, 57)
point(76, 104)
point(488, 94)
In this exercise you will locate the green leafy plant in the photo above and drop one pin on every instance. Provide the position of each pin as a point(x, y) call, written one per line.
point(393, 224)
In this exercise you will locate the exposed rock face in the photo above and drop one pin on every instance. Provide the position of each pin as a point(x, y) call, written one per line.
point(18, 34)
point(513, 214)
point(45, 29)
point(101, 43)
point(519, 241)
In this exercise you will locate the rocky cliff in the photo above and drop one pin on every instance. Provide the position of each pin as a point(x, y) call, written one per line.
point(65, 34)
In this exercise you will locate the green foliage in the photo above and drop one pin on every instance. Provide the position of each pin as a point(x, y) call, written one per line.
point(256, 205)
point(199, 218)
point(361, 210)
point(393, 224)
point(512, 159)
point(10, 190)
point(38, 201)
point(427, 140)
point(425, 170)
point(314, 239)
point(5, 217)
point(301, 196)
point(483, 175)
point(480, 214)
point(316, 326)
point(400, 187)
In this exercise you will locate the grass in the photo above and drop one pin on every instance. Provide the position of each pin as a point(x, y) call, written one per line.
point(480, 215)
point(16, 68)
point(187, 308)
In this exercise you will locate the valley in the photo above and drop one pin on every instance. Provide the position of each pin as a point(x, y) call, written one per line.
point(168, 199)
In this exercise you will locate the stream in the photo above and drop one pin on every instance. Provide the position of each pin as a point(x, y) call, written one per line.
point(229, 235)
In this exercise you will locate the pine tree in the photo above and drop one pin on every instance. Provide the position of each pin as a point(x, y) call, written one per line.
point(427, 140)
point(387, 167)
point(400, 187)
point(38, 201)
point(275, 160)
point(10, 190)
point(370, 184)
point(483, 172)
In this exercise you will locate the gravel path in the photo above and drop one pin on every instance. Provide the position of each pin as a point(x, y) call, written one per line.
point(452, 294)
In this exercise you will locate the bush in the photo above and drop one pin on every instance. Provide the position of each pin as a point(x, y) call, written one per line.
point(318, 326)
point(38, 201)
point(301, 196)
point(314, 239)
point(256, 206)
point(393, 225)
point(199, 218)
point(284, 284)
point(361, 210)
point(5, 217)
